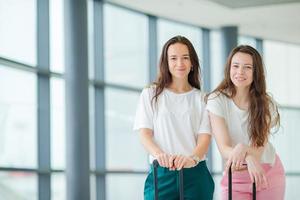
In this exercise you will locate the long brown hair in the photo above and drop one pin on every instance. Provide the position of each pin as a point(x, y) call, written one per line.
point(164, 78)
point(263, 112)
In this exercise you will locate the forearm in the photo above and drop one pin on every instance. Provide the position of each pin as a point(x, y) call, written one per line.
point(146, 137)
point(256, 151)
point(203, 142)
point(226, 151)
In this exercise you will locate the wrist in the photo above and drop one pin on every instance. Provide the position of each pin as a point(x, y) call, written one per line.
point(247, 157)
point(195, 158)
point(157, 154)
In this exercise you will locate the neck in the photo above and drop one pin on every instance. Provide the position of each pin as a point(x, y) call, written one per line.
point(241, 98)
point(180, 86)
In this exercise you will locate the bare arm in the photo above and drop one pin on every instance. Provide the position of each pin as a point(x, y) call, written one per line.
point(220, 131)
point(164, 159)
point(201, 148)
point(146, 137)
point(221, 134)
point(203, 142)
point(240, 154)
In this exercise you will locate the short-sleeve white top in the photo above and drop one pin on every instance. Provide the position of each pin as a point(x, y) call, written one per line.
point(236, 120)
point(176, 119)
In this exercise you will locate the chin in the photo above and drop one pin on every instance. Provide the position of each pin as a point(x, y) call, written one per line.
point(181, 76)
point(238, 85)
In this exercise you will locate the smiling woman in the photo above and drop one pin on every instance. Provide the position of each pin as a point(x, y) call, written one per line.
point(173, 124)
point(242, 115)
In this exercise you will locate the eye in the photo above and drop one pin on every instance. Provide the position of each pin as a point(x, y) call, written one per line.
point(234, 66)
point(186, 58)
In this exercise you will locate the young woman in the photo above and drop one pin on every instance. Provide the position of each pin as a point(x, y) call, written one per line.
point(242, 115)
point(174, 126)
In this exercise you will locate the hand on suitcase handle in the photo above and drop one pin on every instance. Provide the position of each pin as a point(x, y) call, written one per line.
point(155, 164)
point(230, 186)
point(256, 172)
point(166, 160)
point(237, 157)
point(174, 162)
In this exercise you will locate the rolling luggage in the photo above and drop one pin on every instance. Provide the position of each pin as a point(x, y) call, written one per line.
point(155, 165)
point(230, 186)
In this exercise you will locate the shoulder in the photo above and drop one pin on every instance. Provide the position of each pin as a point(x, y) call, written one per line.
point(200, 95)
point(149, 89)
point(217, 96)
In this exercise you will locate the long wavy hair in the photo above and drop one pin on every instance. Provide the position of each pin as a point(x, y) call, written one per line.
point(263, 112)
point(164, 78)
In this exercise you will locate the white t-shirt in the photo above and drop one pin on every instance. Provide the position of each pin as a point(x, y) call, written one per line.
point(176, 119)
point(237, 123)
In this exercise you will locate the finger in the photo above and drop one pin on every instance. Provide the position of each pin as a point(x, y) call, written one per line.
point(180, 163)
point(228, 164)
point(167, 161)
point(266, 184)
point(261, 180)
point(233, 166)
point(159, 161)
point(176, 161)
point(164, 160)
point(257, 181)
point(183, 162)
point(241, 164)
point(251, 176)
point(171, 160)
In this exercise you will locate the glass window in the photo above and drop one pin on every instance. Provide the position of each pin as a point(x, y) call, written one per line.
point(18, 186)
point(167, 29)
point(246, 40)
point(18, 118)
point(217, 193)
point(120, 138)
point(292, 183)
point(282, 63)
point(217, 64)
point(286, 141)
point(56, 36)
point(125, 47)
point(217, 163)
point(119, 183)
point(18, 34)
point(58, 186)
point(58, 134)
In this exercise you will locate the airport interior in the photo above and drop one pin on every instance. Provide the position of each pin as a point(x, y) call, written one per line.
point(71, 74)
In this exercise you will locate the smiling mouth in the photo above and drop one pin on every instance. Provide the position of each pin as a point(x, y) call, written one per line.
point(240, 79)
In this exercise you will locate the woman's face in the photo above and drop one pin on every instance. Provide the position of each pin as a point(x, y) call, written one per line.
point(179, 61)
point(241, 70)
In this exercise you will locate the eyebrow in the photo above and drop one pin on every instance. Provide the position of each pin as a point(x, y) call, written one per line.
point(244, 64)
point(181, 55)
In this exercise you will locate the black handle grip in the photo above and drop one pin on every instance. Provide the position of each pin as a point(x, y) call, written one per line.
point(230, 186)
point(155, 182)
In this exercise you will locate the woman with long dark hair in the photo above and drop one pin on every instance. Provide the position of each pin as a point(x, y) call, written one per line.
point(242, 115)
point(173, 125)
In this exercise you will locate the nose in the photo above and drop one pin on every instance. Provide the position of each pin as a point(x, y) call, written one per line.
point(179, 62)
point(240, 70)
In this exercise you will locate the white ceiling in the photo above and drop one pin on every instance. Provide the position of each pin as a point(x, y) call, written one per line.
point(266, 19)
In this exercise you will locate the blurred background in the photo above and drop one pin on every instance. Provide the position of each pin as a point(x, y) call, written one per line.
point(125, 38)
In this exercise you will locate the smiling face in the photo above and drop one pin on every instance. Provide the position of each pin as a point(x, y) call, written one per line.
point(179, 61)
point(241, 70)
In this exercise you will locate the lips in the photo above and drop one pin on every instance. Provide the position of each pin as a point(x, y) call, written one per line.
point(240, 78)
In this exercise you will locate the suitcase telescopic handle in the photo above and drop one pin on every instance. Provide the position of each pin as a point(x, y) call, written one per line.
point(230, 186)
point(155, 182)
